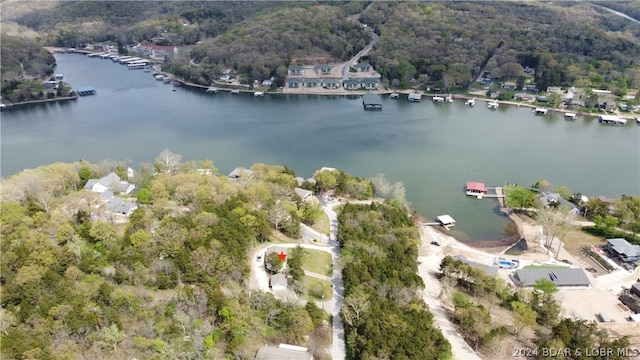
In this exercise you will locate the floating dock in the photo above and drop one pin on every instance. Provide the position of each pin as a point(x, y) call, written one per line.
point(414, 97)
point(86, 91)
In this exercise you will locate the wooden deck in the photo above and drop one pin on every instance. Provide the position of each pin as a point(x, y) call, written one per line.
point(495, 192)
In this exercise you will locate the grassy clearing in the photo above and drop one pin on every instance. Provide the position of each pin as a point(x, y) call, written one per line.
point(314, 289)
point(318, 262)
point(543, 267)
point(575, 240)
point(321, 223)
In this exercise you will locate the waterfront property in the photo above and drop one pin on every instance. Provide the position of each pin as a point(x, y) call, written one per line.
point(476, 189)
point(611, 119)
point(490, 270)
point(623, 251)
point(371, 101)
point(86, 91)
point(111, 182)
point(561, 277)
point(414, 97)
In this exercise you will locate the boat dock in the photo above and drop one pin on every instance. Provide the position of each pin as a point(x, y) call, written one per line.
point(371, 101)
point(480, 191)
point(86, 91)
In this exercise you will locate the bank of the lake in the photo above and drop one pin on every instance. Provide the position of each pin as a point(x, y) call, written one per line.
point(434, 149)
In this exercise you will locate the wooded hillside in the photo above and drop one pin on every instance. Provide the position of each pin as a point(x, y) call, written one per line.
point(443, 43)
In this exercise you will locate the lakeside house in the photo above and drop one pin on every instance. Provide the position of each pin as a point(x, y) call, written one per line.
point(296, 70)
point(240, 173)
point(554, 199)
point(156, 52)
point(111, 182)
point(622, 250)
point(278, 282)
point(561, 277)
point(107, 186)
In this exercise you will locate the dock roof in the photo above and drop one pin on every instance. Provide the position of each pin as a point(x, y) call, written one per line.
point(476, 186)
point(371, 99)
point(559, 276)
point(445, 220)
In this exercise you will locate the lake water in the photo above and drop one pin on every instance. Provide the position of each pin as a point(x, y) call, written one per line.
point(433, 148)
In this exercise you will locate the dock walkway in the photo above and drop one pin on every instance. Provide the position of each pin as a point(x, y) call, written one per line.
point(498, 192)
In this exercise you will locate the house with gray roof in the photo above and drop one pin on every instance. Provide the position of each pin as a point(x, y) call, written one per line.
point(324, 69)
point(118, 205)
point(490, 270)
point(562, 277)
point(296, 70)
point(623, 250)
point(283, 352)
point(554, 199)
point(361, 67)
point(111, 182)
point(240, 173)
point(330, 83)
point(278, 282)
point(303, 193)
point(311, 82)
point(294, 82)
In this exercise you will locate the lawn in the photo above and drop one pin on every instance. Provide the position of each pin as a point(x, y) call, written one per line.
point(321, 223)
point(575, 240)
point(314, 289)
point(319, 262)
point(543, 267)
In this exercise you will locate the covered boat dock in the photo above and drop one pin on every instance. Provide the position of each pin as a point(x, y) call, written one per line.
point(86, 91)
point(371, 101)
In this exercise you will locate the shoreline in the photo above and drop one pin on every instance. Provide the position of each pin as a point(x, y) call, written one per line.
point(42, 101)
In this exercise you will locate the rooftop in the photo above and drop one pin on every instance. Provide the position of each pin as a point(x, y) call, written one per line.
point(559, 276)
point(476, 186)
point(622, 246)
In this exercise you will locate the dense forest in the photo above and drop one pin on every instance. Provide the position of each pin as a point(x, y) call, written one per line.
point(168, 282)
point(442, 43)
point(382, 305)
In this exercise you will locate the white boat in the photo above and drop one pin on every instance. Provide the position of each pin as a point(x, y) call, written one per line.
point(258, 94)
point(570, 116)
point(235, 92)
point(437, 98)
point(637, 120)
point(394, 96)
point(493, 104)
point(212, 90)
point(470, 102)
point(540, 111)
point(449, 98)
point(159, 77)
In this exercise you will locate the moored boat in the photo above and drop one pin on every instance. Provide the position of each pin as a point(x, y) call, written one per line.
point(394, 96)
point(258, 94)
point(540, 111)
point(470, 102)
point(493, 104)
point(437, 98)
point(570, 116)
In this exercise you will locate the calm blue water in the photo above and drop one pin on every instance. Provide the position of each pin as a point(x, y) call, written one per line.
point(434, 149)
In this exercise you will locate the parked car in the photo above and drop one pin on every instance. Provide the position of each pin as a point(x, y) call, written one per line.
point(566, 261)
point(259, 258)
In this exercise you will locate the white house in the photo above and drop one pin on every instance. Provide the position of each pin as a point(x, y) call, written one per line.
point(111, 182)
